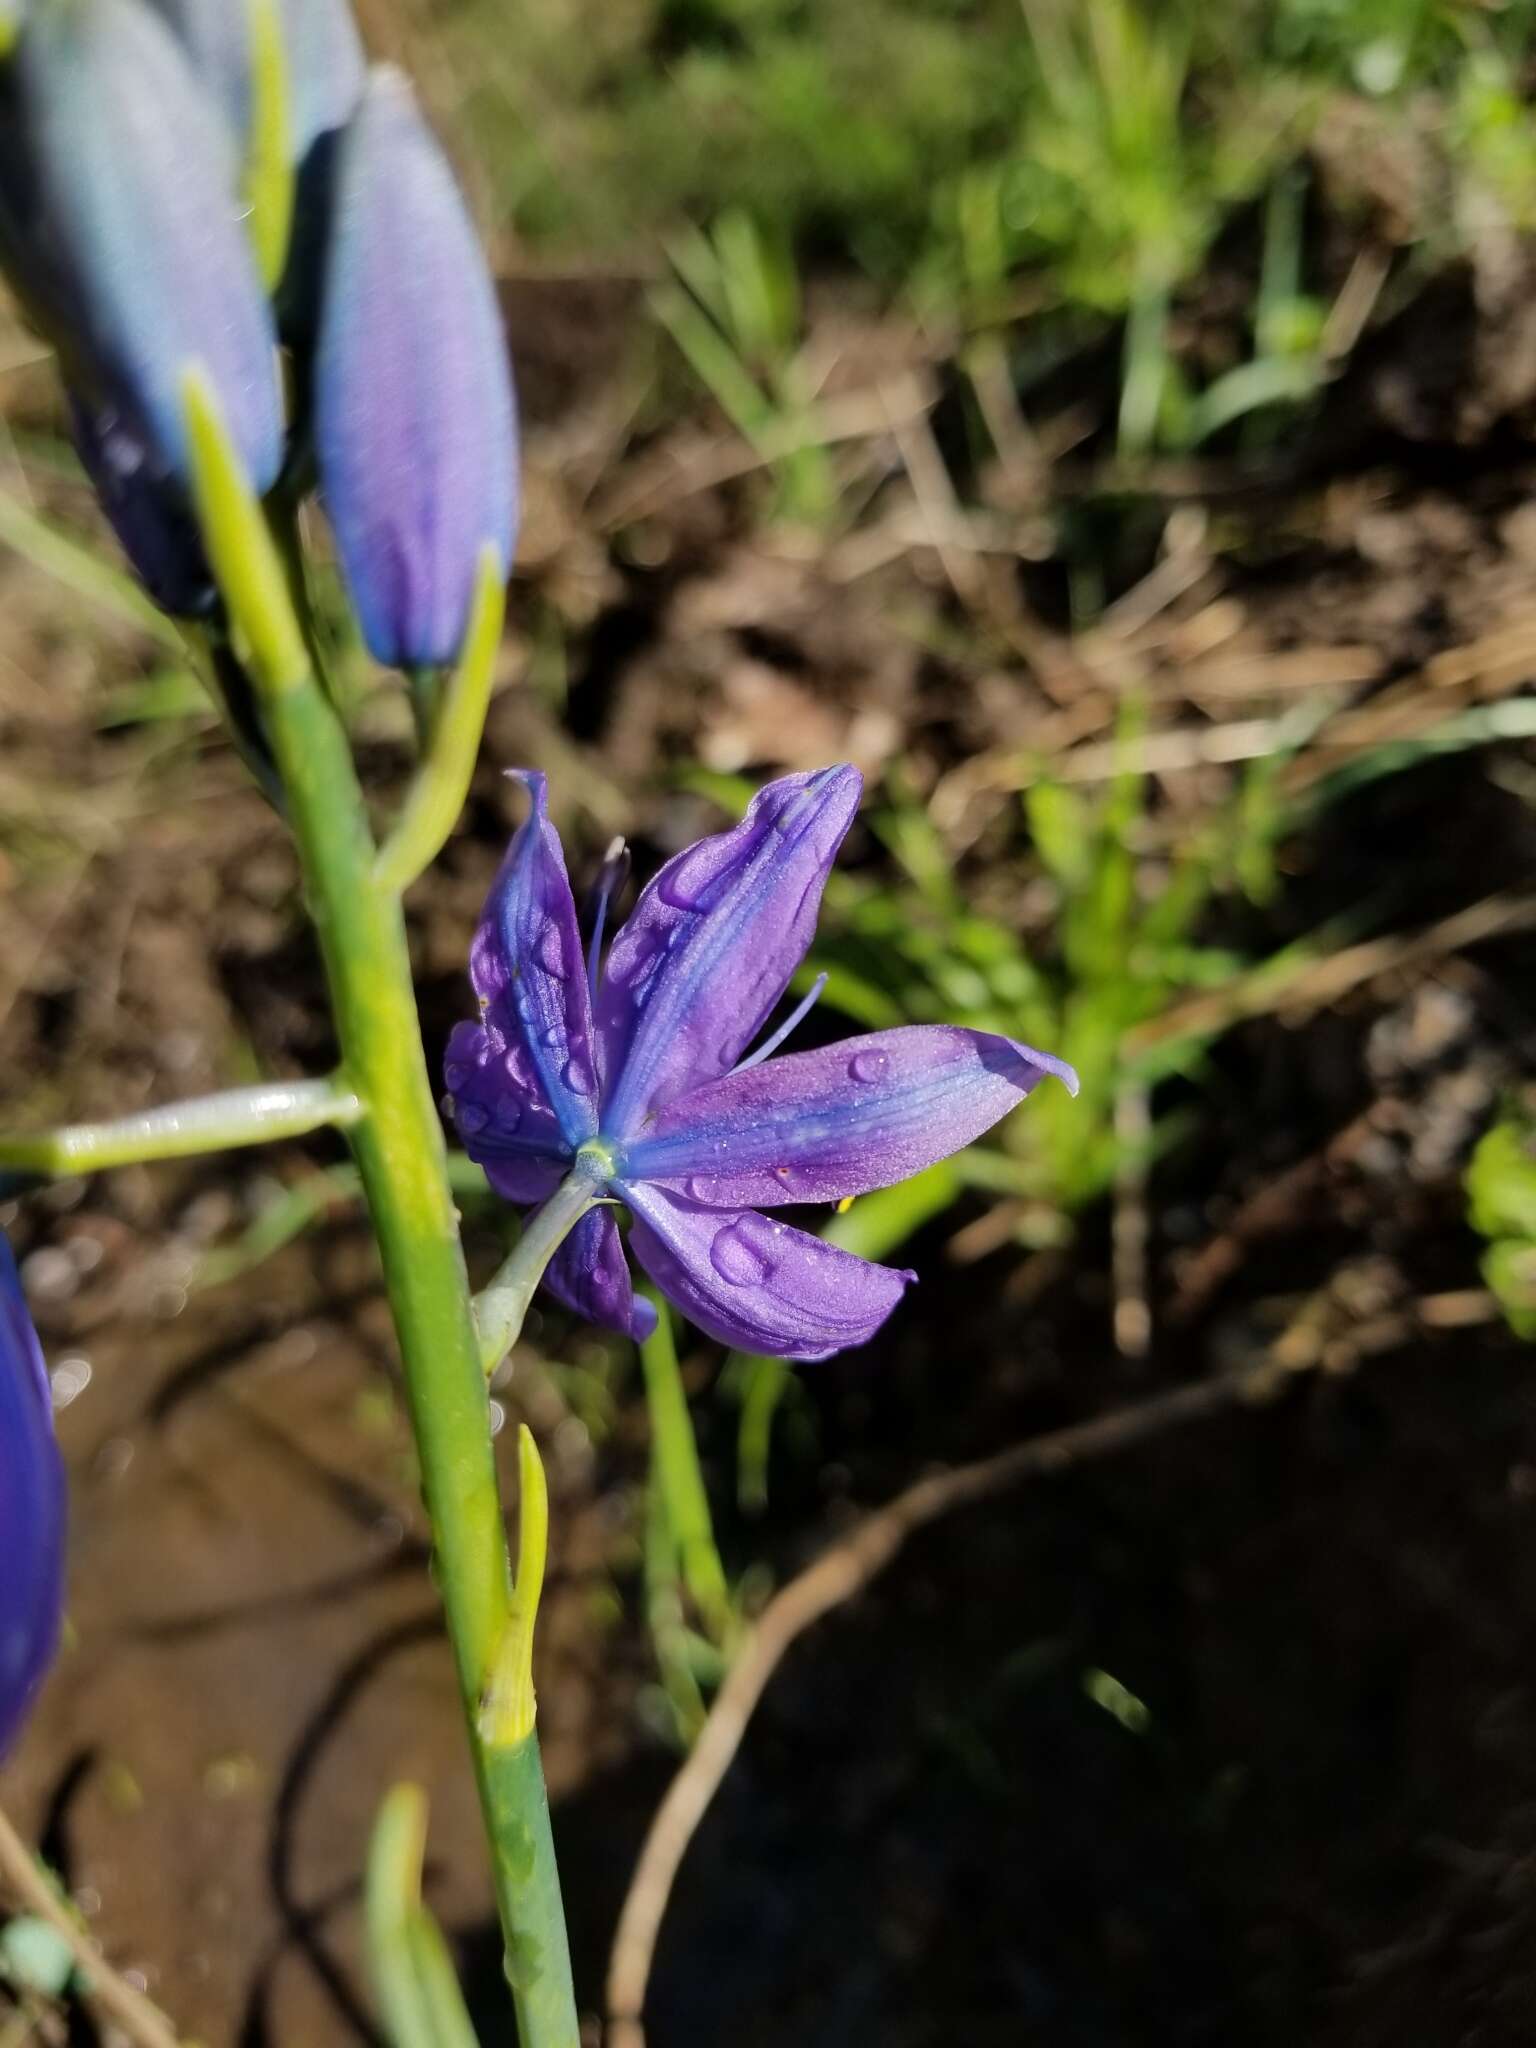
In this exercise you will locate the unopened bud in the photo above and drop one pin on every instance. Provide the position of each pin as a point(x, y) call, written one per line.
point(149, 511)
point(322, 60)
point(120, 224)
point(415, 425)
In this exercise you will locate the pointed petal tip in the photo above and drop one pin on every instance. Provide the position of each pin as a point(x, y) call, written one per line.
point(1048, 1063)
point(643, 1320)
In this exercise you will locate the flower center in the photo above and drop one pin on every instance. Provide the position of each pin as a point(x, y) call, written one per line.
point(597, 1161)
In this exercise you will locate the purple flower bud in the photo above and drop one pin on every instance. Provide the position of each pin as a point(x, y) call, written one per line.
point(323, 61)
point(31, 1509)
point(149, 511)
point(120, 221)
point(415, 424)
point(323, 74)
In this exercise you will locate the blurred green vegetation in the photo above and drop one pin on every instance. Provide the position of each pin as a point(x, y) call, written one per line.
point(1116, 136)
point(1501, 1205)
point(971, 157)
point(1117, 942)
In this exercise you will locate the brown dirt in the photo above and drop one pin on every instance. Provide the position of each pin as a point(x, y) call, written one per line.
point(1326, 1827)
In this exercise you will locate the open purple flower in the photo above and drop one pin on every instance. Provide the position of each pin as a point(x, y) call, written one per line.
point(31, 1509)
point(636, 1079)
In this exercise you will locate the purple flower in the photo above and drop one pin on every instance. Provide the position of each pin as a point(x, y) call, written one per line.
point(641, 1083)
point(415, 425)
point(31, 1509)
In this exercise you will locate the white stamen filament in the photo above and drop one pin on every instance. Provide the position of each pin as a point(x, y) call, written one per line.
point(802, 1009)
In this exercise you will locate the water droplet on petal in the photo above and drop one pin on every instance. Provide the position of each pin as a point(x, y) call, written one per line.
point(508, 1116)
point(550, 953)
point(472, 1117)
point(518, 1071)
point(869, 1066)
point(455, 1076)
point(687, 883)
point(577, 1076)
point(736, 1259)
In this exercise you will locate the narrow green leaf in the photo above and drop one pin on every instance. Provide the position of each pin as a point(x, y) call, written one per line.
point(413, 1978)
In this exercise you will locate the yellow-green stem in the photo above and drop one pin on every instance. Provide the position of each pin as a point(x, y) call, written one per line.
point(402, 1160)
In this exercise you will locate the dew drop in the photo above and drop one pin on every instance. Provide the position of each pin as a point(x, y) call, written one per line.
point(688, 883)
point(472, 1117)
point(549, 951)
point(869, 1066)
point(577, 1076)
point(455, 1076)
point(738, 1262)
point(517, 1069)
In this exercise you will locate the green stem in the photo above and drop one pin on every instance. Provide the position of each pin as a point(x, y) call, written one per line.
point(402, 1160)
point(538, 1956)
point(502, 1305)
point(182, 1130)
point(678, 1476)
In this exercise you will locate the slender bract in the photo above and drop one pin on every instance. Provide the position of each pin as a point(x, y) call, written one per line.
point(414, 420)
point(120, 224)
point(31, 1509)
point(651, 1087)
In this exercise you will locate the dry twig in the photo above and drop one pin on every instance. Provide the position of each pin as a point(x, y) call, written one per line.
point(139, 2017)
point(1313, 1340)
point(835, 1577)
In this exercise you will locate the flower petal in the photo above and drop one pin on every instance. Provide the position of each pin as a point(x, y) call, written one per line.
point(755, 1282)
point(816, 1126)
point(712, 942)
point(527, 967)
point(505, 1125)
point(414, 420)
point(590, 1275)
point(31, 1509)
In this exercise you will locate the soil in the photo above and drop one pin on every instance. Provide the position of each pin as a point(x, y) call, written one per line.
point(1230, 1737)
